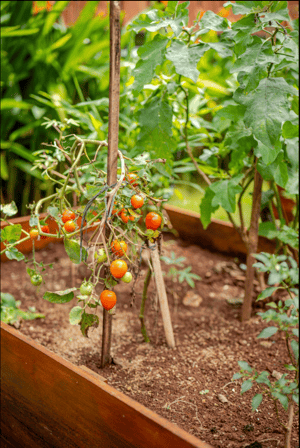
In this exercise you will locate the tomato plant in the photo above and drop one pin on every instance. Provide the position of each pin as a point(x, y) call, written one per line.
point(99, 206)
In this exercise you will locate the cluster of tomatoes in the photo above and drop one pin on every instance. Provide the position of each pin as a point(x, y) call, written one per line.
point(118, 267)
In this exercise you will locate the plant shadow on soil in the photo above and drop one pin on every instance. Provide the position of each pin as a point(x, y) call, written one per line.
point(190, 385)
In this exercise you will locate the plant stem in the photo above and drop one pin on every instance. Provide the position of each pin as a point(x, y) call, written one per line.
point(142, 310)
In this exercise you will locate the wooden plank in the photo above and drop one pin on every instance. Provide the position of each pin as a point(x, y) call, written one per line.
point(48, 402)
point(219, 235)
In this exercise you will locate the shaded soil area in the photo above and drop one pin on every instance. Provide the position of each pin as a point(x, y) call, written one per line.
point(190, 385)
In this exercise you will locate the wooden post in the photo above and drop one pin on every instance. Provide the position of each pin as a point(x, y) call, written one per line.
point(252, 246)
point(113, 140)
point(162, 297)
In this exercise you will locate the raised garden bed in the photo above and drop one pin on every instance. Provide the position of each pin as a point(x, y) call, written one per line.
point(45, 406)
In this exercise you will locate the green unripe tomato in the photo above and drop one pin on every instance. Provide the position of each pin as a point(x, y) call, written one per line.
point(86, 289)
point(100, 256)
point(127, 277)
point(36, 279)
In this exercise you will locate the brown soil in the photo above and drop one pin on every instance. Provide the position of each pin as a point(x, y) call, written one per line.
point(187, 384)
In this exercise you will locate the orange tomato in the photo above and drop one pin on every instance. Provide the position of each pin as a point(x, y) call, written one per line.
point(70, 226)
point(67, 216)
point(125, 217)
point(153, 220)
point(132, 179)
point(45, 229)
point(137, 201)
point(108, 299)
point(118, 268)
point(119, 248)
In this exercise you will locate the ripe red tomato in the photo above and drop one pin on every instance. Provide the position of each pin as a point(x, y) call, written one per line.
point(132, 179)
point(153, 220)
point(119, 248)
point(70, 226)
point(126, 217)
point(137, 201)
point(118, 268)
point(108, 299)
point(67, 216)
point(45, 229)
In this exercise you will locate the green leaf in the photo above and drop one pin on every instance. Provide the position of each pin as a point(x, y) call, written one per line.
point(7, 32)
point(7, 300)
point(268, 230)
point(245, 366)
point(265, 119)
point(225, 192)
point(156, 129)
point(267, 154)
point(256, 401)
point(275, 171)
point(151, 55)
point(246, 386)
point(212, 21)
point(295, 332)
point(60, 296)
point(289, 236)
point(206, 207)
point(237, 376)
point(73, 251)
point(9, 209)
point(11, 233)
point(87, 321)
point(266, 293)
point(268, 332)
point(185, 59)
point(56, 11)
point(295, 348)
point(233, 112)
point(53, 211)
point(282, 398)
point(75, 315)
point(245, 7)
point(13, 254)
point(289, 130)
point(258, 53)
point(10, 103)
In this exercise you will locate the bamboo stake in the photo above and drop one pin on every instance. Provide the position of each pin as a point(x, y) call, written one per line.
point(162, 297)
point(113, 140)
point(252, 246)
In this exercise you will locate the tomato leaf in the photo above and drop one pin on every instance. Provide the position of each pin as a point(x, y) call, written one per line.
point(87, 321)
point(73, 251)
point(60, 296)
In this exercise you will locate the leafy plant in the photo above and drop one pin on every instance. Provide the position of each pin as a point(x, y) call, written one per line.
point(12, 314)
point(100, 206)
point(284, 274)
point(246, 133)
point(182, 274)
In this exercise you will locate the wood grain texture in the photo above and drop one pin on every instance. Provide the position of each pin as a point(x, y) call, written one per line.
point(48, 402)
point(219, 235)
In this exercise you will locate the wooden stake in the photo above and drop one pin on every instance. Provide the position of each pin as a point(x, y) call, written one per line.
point(113, 140)
point(252, 246)
point(162, 297)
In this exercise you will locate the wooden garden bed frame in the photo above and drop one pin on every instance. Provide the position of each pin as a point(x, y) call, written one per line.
point(47, 401)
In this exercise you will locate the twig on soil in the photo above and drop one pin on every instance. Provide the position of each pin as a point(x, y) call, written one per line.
point(167, 406)
point(231, 382)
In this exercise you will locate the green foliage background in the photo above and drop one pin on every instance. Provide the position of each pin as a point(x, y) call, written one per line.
point(226, 91)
